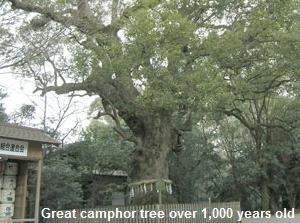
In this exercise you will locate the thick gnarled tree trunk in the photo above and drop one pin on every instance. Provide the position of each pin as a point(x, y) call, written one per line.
point(154, 143)
point(149, 174)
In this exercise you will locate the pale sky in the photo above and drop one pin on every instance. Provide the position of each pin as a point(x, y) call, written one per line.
point(20, 91)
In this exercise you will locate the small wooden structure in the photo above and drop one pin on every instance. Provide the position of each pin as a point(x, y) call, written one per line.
point(20, 145)
point(106, 188)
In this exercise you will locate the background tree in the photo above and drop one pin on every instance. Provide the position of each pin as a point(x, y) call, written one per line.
point(257, 68)
point(103, 149)
point(61, 187)
point(23, 115)
point(190, 182)
point(238, 154)
point(3, 115)
point(100, 150)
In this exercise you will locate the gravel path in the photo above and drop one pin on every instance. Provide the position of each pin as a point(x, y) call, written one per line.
point(273, 220)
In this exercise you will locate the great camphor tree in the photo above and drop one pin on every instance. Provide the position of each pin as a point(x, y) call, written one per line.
point(157, 65)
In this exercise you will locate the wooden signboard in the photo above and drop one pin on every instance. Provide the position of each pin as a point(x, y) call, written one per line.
point(13, 147)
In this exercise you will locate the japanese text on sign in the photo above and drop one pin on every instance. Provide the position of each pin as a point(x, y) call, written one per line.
point(13, 147)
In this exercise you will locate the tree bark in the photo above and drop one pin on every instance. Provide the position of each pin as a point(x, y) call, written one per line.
point(149, 170)
point(265, 195)
point(264, 188)
point(292, 195)
point(154, 143)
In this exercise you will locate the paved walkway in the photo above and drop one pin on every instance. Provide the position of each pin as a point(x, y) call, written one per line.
point(273, 220)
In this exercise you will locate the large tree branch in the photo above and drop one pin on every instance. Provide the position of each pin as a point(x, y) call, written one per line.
point(110, 111)
point(63, 114)
point(114, 10)
point(83, 8)
point(78, 18)
point(14, 64)
point(65, 88)
point(238, 115)
point(46, 11)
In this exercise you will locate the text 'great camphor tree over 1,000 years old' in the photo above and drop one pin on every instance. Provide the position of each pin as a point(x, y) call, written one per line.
point(156, 65)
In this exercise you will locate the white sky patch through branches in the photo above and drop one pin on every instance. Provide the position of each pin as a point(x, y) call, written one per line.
point(20, 92)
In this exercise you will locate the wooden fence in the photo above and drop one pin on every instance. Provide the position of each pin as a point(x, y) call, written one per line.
point(194, 213)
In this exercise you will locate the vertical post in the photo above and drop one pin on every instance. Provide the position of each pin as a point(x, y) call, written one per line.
point(37, 193)
point(158, 206)
point(160, 187)
point(21, 190)
point(159, 197)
